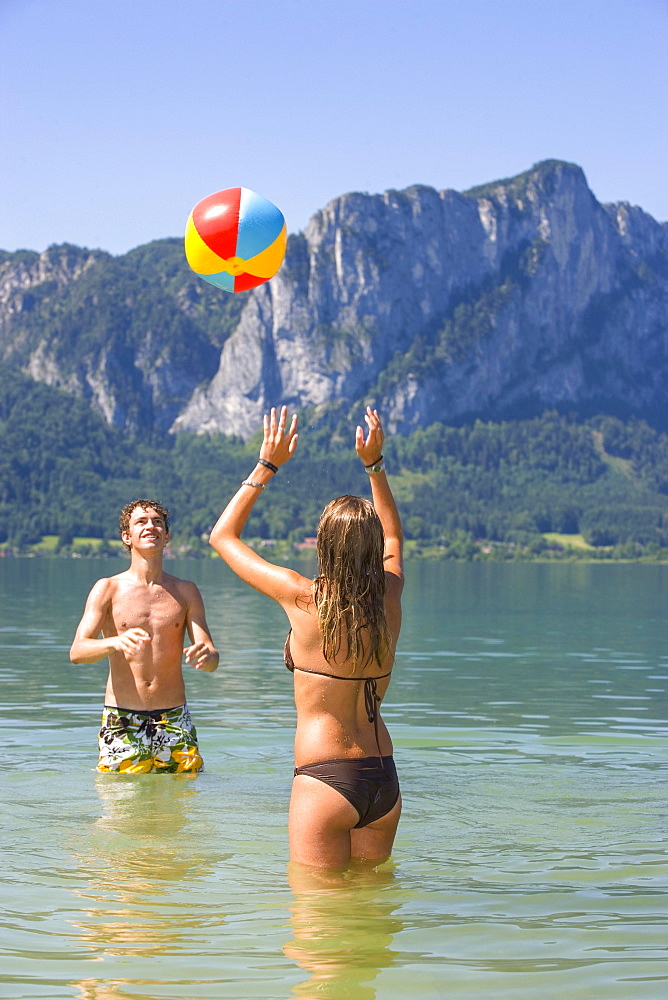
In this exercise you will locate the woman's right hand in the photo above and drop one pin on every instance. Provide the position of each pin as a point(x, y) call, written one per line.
point(278, 445)
point(371, 448)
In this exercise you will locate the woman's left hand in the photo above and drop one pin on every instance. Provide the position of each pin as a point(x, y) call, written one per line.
point(279, 444)
point(371, 449)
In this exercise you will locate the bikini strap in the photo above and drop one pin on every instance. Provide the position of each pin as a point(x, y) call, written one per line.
point(287, 655)
point(371, 698)
point(290, 664)
point(371, 703)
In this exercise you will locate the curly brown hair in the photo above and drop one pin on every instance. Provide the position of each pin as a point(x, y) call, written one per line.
point(126, 513)
point(350, 586)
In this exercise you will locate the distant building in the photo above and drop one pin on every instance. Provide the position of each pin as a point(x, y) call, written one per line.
point(308, 543)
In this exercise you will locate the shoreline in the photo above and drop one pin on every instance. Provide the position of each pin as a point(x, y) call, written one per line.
point(289, 554)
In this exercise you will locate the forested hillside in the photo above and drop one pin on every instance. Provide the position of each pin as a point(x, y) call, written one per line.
point(514, 337)
point(65, 472)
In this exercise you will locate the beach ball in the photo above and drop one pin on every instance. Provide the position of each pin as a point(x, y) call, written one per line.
point(235, 239)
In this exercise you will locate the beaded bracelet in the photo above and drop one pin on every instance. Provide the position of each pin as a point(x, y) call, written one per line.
point(250, 482)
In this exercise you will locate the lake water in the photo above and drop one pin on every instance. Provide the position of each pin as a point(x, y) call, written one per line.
point(528, 708)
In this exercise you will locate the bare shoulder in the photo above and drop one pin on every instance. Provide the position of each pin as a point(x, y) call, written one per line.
point(104, 588)
point(187, 590)
point(297, 590)
point(103, 593)
point(113, 583)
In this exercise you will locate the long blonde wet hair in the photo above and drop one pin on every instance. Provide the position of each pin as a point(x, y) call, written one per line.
point(350, 585)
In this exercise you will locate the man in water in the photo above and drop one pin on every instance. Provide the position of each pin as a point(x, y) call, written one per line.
point(143, 615)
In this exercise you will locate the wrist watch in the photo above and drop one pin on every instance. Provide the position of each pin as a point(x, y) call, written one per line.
point(373, 469)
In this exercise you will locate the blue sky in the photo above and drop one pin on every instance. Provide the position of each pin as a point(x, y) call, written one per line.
point(119, 115)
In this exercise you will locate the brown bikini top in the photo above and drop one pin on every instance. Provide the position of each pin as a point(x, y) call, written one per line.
point(371, 698)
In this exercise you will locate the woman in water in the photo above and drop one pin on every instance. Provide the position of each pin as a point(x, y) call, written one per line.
point(344, 626)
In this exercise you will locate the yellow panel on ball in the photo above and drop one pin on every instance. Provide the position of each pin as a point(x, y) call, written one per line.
point(199, 256)
point(267, 263)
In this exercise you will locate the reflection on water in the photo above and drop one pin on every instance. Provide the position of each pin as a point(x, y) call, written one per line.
point(137, 859)
point(343, 926)
point(137, 845)
point(529, 717)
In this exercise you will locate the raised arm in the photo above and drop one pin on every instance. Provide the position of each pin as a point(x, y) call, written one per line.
point(87, 646)
point(370, 451)
point(278, 582)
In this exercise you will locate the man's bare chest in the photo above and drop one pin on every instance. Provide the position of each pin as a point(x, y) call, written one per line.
point(156, 610)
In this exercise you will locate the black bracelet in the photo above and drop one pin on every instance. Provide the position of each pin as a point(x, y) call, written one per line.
point(267, 465)
point(377, 462)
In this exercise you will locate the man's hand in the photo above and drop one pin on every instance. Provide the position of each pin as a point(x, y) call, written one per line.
point(131, 642)
point(201, 657)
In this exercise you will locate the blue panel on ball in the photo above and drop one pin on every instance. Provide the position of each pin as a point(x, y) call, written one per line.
point(260, 222)
point(221, 280)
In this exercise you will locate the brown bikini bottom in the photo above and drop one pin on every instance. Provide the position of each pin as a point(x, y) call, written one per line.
point(370, 784)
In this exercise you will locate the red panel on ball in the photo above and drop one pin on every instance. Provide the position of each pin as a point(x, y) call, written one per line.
point(245, 281)
point(216, 219)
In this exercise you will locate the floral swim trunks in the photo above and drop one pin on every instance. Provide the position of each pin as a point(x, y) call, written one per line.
point(136, 742)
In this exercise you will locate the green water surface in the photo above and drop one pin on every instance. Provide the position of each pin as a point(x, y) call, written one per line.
point(528, 708)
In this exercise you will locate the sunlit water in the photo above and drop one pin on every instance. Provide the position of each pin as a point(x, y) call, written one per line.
point(528, 710)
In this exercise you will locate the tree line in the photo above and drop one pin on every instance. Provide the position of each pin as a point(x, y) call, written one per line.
point(65, 472)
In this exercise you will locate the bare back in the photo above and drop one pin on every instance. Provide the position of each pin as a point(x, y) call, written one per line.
point(332, 720)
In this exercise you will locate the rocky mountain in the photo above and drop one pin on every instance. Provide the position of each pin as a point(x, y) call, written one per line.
point(134, 335)
point(500, 301)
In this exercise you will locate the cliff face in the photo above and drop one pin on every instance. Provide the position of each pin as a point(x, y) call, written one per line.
point(134, 335)
point(516, 296)
point(439, 305)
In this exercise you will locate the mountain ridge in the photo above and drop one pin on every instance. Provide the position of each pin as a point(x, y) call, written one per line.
point(504, 300)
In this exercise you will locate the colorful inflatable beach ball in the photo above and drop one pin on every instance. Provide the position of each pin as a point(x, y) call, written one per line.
point(235, 239)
